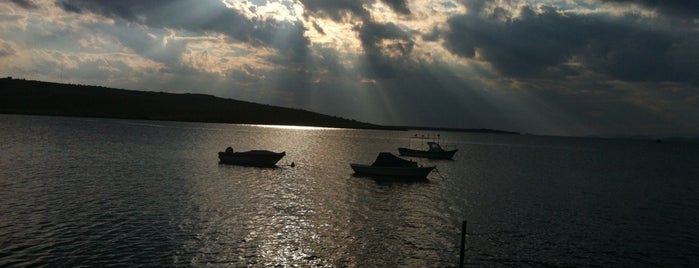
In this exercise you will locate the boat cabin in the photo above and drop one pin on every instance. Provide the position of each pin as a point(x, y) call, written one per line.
point(434, 147)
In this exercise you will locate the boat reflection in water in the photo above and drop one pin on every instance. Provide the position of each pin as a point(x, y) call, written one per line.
point(258, 158)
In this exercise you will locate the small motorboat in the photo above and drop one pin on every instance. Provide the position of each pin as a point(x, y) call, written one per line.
point(391, 166)
point(261, 158)
point(434, 152)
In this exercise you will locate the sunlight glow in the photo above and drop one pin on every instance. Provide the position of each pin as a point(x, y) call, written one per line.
point(213, 54)
point(275, 10)
point(339, 36)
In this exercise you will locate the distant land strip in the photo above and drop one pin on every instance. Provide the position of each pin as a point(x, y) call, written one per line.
point(20, 96)
point(476, 130)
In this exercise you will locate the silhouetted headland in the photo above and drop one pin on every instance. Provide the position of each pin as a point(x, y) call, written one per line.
point(20, 96)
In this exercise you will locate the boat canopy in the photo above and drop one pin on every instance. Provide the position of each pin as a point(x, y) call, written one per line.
point(385, 159)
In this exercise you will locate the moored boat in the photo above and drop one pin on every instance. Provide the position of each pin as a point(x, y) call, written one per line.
point(389, 165)
point(261, 158)
point(434, 152)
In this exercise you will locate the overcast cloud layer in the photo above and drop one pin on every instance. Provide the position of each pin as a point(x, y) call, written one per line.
point(559, 67)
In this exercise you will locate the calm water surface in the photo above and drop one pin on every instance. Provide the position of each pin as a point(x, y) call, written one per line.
point(95, 192)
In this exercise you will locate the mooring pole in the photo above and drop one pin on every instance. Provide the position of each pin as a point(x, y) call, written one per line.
point(463, 244)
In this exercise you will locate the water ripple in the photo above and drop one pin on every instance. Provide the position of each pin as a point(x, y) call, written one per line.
point(98, 192)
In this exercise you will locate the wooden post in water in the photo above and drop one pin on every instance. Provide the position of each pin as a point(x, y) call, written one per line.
point(463, 244)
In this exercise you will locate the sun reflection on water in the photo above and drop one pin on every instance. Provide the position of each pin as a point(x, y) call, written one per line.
point(284, 226)
point(290, 127)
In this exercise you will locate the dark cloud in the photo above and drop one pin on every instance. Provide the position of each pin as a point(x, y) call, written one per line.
point(286, 37)
point(348, 10)
point(28, 4)
point(640, 55)
point(386, 47)
point(129, 10)
point(520, 47)
point(625, 48)
point(194, 16)
point(337, 10)
point(200, 16)
point(434, 35)
point(682, 8)
point(318, 28)
point(474, 6)
point(400, 6)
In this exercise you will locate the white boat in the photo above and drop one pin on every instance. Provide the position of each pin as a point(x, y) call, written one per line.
point(390, 166)
point(262, 158)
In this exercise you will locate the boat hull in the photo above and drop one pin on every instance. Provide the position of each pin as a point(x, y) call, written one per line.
point(427, 154)
point(251, 158)
point(392, 172)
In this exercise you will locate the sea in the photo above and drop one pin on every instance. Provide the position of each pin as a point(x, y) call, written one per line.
point(91, 192)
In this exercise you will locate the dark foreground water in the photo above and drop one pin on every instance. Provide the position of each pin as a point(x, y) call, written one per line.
point(96, 192)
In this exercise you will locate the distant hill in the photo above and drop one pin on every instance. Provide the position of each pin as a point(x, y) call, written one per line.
point(19, 96)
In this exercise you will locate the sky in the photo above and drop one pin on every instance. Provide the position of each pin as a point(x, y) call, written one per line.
point(550, 67)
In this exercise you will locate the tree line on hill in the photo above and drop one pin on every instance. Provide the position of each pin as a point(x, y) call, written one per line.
point(19, 96)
